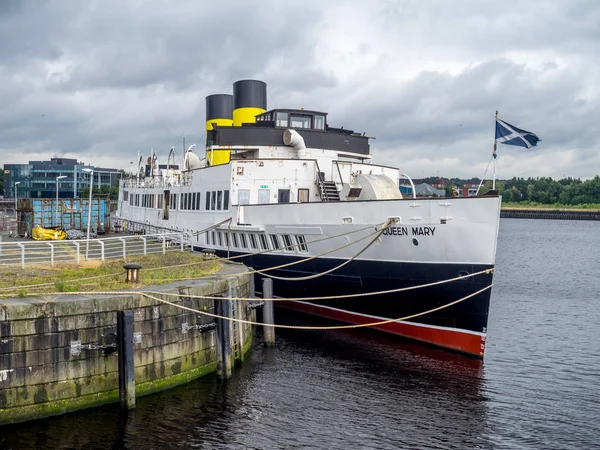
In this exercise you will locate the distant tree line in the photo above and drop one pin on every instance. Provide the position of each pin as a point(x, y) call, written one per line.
point(534, 191)
point(546, 191)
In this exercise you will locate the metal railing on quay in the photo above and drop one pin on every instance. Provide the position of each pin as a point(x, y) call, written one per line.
point(23, 253)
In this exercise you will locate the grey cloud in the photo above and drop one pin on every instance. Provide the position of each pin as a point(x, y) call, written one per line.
point(105, 78)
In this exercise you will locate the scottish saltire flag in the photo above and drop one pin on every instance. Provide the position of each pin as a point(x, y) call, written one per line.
point(510, 135)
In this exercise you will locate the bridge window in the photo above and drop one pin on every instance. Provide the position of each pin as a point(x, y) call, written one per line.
point(207, 206)
point(319, 122)
point(300, 121)
point(281, 119)
point(219, 199)
point(243, 240)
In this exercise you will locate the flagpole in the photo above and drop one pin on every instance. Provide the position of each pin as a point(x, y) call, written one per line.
point(495, 154)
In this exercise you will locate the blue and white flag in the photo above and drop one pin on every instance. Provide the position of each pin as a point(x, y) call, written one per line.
point(510, 135)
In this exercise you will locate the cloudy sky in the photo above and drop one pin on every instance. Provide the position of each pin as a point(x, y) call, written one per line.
point(100, 80)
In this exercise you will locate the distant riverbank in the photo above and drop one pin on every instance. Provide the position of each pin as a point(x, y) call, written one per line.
point(549, 212)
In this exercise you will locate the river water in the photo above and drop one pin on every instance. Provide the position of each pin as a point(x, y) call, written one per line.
point(538, 387)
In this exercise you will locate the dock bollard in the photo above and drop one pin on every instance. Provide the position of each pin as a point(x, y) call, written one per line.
point(133, 272)
point(268, 313)
point(125, 355)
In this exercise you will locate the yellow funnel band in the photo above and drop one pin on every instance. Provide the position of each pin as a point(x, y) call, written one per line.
point(218, 122)
point(245, 115)
point(218, 157)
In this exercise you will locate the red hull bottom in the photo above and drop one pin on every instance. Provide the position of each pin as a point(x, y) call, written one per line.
point(454, 339)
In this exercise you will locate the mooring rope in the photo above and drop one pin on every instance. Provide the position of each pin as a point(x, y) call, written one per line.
point(16, 288)
point(332, 297)
point(330, 327)
point(289, 299)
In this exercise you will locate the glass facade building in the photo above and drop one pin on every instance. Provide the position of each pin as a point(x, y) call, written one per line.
point(37, 179)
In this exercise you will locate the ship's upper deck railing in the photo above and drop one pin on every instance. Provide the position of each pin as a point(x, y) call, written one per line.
point(160, 181)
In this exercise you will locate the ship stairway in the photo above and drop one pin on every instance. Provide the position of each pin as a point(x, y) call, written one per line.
point(329, 192)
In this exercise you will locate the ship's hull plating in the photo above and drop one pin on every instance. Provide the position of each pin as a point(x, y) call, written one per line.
point(461, 327)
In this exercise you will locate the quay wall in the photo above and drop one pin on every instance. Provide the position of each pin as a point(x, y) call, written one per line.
point(47, 367)
point(555, 214)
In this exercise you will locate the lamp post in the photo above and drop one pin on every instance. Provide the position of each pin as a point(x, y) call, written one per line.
point(56, 211)
point(16, 196)
point(87, 243)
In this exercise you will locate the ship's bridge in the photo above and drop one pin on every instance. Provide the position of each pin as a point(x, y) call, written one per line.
point(293, 118)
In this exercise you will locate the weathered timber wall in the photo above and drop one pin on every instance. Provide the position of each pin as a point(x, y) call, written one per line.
point(43, 370)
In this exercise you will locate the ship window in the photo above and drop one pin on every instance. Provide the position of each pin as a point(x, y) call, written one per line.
point(194, 201)
point(287, 240)
point(214, 238)
point(243, 196)
point(282, 119)
point(197, 201)
point(207, 238)
point(264, 244)
point(253, 241)
point(213, 200)
point(302, 195)
point(226, 199)
point(319, 122)
point(243, 240)
point(300, 121)
point(275, 241)
point(301, 243)
point(207, 206)
point(125, 196)
point(226, 239)
point(283, 196)
point(189, 201)
point(235, 239)
point(264, 196)
point(219, 199)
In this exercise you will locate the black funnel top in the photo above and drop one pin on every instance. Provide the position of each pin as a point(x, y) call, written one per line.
point(250, 94)
point(219, 106)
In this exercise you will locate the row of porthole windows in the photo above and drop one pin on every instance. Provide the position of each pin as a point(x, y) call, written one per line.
point(257, 241)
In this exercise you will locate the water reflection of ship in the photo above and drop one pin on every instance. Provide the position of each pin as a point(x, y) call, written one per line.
point(319, 386)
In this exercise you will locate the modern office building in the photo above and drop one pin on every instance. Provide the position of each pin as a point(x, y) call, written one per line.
point(38, 179)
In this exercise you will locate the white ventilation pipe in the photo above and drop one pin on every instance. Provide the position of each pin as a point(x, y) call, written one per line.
point(293, 139)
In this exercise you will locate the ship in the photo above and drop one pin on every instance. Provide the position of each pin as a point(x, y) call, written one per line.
point(303, 202)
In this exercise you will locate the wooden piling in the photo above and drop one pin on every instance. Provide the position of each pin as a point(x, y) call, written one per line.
point(126, 368)
point(268, 313)
point(223, 308)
